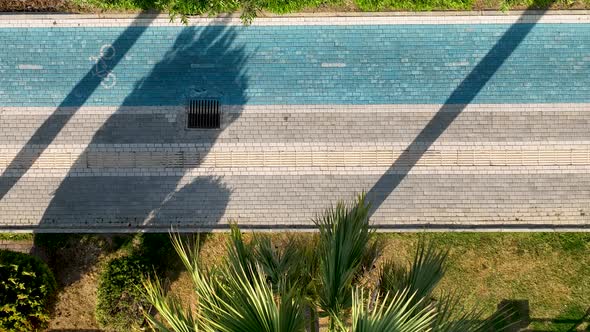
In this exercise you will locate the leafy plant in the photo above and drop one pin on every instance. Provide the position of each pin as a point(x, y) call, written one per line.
point(120, 303)
point(27, 287)
point(344, 235)
point(261, 287)
point(235, 297)
point(395, 314)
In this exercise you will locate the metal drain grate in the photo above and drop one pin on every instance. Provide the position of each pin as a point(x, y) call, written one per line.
point(204, 114)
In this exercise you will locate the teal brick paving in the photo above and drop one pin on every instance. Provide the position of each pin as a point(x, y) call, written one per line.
point(373, 64)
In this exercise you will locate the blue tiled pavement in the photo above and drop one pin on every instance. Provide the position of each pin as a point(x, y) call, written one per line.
point(388, 64)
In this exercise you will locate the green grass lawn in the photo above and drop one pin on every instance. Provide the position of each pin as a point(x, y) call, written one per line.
point(549, 270)
point(16, 236)
point(290, 6)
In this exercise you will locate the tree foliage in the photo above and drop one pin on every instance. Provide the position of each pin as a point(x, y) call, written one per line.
point(27, 287)
point(120, 304)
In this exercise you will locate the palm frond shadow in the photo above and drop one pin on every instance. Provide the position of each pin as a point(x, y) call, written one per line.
point(454, 105)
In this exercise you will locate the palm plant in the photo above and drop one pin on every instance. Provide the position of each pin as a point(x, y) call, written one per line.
point(264, 287)
point(396, 314)
point(235, 297)
point(343, 237)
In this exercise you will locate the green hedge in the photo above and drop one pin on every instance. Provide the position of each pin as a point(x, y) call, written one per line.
point(27, 289)
point(120, 302)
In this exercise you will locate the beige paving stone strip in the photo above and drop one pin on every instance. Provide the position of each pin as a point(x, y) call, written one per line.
point(297, 154)
point(64, 20)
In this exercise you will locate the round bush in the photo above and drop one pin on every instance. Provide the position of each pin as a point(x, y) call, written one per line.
point(120, 302)
point(27, 288)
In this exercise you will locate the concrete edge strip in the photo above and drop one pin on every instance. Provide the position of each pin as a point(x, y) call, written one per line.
point(34, 21)
point(224, 172)
point(293, 146)
point(399, 228)
point(328, 108)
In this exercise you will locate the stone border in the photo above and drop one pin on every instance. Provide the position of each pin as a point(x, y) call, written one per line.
point(14, 20)
point(309, 228)
point(190, 173)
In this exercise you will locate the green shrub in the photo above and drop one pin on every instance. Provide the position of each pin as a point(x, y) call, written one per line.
point(414, 5)
point(16, 236)
point(27, 287)
point(120, 303)
point(159, 254)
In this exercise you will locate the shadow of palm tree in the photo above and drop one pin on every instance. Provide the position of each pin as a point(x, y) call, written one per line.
point(79, 94)
point(203, 62)
point(454, 105)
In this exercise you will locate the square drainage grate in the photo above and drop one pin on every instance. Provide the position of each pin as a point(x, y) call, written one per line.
point(204, 114)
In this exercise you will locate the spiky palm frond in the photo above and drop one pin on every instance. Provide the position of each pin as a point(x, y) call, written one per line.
point(291, 267)
point(234, 297)
point(452, 316)
point(240, 253)
point(250, 305)
point(280, 265)
point(307, 265)
point(399, 313)
point(372, 253)
point(177, 317)
point(343, 237)
point(392, 277)
point(425, 271)
point(244, 301)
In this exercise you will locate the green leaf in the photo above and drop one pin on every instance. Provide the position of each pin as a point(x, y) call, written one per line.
point(344, 235)
point(401, 313)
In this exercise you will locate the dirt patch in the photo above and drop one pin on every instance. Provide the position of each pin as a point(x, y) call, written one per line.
point(35, 6)
point(76, 303)
point(344, 6)
point(16, 245)
point(76, 261)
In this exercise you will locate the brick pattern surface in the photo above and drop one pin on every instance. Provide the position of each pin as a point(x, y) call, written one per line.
point(286, 199)
point(374, 64)
point(306, 124)
point(93, 126)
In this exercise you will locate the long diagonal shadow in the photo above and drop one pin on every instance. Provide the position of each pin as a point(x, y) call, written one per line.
point(464, 94)
point(203, 61)
point(51, 127)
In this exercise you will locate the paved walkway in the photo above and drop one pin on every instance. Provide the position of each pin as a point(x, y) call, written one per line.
point(447, 121)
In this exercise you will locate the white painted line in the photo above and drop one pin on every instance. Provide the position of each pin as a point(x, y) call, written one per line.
point(333, 65)
point(30, 67)
point(312, 108)
point(202, 65)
